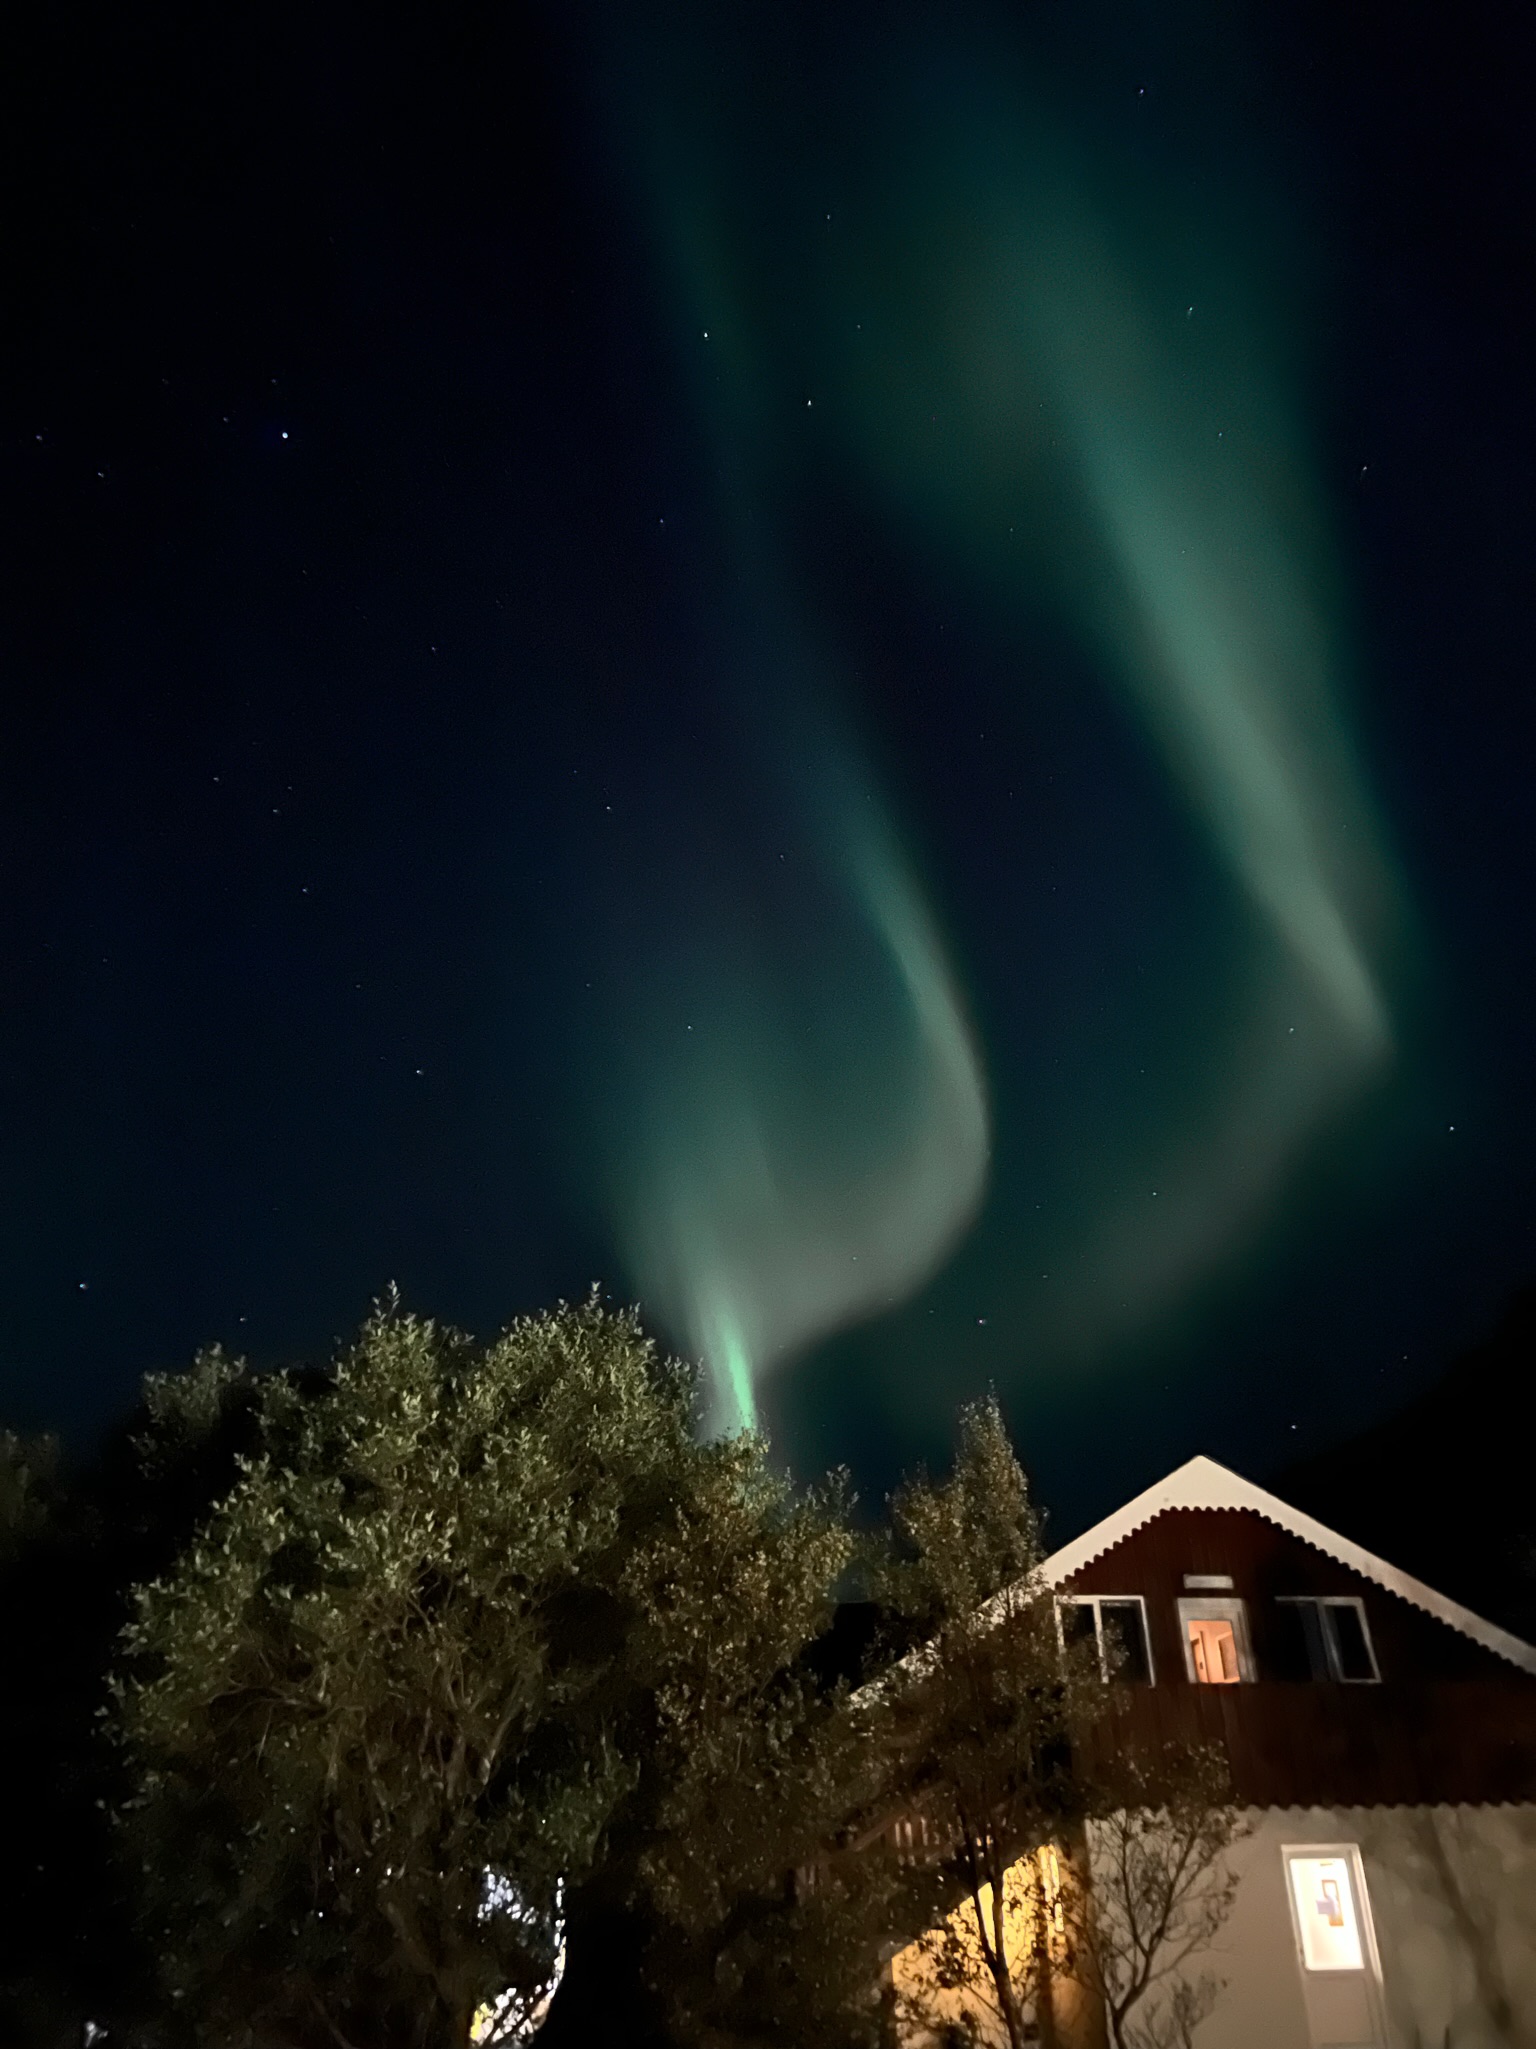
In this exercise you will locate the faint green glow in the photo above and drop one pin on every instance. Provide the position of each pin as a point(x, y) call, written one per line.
point(1223, 636)
point(1037, 368)
point(1067, 386)
point(809, 1147)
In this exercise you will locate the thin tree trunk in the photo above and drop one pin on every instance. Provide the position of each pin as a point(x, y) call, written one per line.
point(1045, 1995)
point(1002, 1970)
point(1007, 1996)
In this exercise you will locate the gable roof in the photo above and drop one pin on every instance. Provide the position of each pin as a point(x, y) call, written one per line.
point(1202, 1483)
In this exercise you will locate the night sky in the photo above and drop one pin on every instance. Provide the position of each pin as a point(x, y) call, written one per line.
point(863, 670)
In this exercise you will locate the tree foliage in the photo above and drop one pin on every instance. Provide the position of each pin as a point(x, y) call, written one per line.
point(446, 1657)
point(473, 1625)
point(980, 1723)
point(754, 1758)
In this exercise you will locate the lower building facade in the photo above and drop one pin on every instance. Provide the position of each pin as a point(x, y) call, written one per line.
point(1379, 1742)
point(1378, 1928)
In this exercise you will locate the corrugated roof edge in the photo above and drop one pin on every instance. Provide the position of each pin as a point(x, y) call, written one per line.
point(1204, 1483)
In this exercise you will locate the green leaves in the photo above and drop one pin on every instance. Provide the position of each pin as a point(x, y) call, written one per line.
point(463, 1609)
point(345, 1703)
point(960, 1542)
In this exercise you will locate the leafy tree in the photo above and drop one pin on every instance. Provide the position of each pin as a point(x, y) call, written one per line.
point(748, 1759)
point(978, 1729)
point(365, 1708)
point(73, 1539)
point(760, 1936)
point(751, 1759)
point(1160, 1893)
point(478, 1631)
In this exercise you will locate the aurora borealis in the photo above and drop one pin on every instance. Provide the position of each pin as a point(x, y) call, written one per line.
point(1103, 454)
point(811, 1155)
point(861, 671)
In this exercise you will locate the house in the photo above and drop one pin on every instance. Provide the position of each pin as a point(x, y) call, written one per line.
point(1382, 1744)
point(1383, 1738)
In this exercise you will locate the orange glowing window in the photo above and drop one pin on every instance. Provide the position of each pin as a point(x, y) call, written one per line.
point(1213, 1650)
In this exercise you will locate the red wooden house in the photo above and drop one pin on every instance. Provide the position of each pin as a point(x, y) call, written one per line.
point(1382, 1738)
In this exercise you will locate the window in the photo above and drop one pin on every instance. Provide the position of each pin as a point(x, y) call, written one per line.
point(1116, 1625)
point(1216, 1648)
point(1323, 1891)
point(1335, 1642)
point(1335, 1943)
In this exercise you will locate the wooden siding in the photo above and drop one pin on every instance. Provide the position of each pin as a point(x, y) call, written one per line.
point(1450, 1721)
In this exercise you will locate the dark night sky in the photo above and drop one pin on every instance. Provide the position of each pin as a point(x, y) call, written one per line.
point(506, 782)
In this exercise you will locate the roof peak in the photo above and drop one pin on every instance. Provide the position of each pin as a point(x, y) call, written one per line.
point(1204, 1483)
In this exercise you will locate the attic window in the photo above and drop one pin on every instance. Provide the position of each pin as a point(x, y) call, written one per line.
point(1216, 1648)
point(1336, 1642)
point(1116, 1625)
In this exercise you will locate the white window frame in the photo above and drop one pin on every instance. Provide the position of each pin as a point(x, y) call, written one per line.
point(1095, 1602)
point(1217, 1608)
point(1330, 1641)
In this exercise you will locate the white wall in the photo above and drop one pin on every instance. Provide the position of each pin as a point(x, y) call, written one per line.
point(1453, 1890)
point(1452, 1894)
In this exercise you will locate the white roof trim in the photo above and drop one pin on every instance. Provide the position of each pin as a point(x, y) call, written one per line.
point(1202, 1483)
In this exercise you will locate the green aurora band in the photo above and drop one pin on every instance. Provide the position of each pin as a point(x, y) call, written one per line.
point(1120, 443)
point(811, 1145)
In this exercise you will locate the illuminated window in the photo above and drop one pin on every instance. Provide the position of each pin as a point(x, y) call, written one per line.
point(1325, 1887)
point(1116, 1626)
point(1335, 1642)
point(1214, 1645)
point(1216, 1650)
